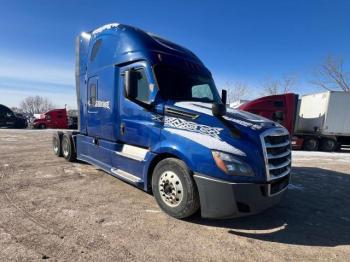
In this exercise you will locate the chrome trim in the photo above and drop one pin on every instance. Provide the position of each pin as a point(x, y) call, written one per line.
point(125, 175)
point(277, 193)
point(285, 163)
point(270, 156)
point(180, 112)
point(216, 180)
point(133, 152)
point(273, 132)
point(281, 175)
point(129, 156)
point(268, 145)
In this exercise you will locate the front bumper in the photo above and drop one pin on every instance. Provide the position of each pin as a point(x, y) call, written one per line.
point(223, 199)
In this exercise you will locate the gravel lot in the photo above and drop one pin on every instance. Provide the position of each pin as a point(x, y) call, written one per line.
point(52, 209)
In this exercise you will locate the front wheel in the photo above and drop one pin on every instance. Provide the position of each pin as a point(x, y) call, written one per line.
point(174, 188)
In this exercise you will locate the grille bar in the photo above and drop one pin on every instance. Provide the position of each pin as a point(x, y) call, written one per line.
point(286, 163)
point(271, 156)
point(277, 153)
point(268, 145)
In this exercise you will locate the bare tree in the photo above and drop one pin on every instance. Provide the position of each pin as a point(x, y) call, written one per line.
point(332, 76)
point(288, 83)
point(271, 87)
point(236, 91)
point(276, 87)
point(36, 105)
point(16, 109)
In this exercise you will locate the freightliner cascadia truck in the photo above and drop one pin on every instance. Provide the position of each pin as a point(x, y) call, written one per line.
point(150, 114)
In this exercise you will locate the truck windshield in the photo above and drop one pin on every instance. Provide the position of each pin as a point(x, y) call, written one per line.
point(179, 85)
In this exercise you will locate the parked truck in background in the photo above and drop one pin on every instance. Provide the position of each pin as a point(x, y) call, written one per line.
point(150, 114)
point(10, 119)
point(317, 121)
point(55, 118)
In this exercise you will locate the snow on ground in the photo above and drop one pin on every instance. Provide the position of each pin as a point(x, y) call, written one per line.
point(343, 156)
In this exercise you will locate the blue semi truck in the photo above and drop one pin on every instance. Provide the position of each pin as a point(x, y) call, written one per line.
point(150, 114)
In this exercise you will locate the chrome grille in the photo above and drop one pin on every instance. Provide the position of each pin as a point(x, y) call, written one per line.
point(277, 153)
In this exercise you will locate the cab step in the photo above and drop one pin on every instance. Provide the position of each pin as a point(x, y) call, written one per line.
point(126, 176)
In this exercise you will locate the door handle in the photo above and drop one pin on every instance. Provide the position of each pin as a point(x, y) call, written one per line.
point(122, 128)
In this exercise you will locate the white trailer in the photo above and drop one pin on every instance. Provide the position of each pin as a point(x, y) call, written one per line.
point(323, 120)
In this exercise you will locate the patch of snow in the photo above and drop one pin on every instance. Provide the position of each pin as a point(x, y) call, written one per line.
point(345, 218)
point(295, 187)
point(152, 211)
point(326, 156)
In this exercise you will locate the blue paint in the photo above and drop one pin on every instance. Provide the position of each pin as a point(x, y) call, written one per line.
point(109, 120)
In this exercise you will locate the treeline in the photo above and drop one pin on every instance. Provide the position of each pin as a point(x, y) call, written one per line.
point(330, 75)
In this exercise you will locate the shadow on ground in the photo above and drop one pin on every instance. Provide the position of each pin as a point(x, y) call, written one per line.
point(314, 212)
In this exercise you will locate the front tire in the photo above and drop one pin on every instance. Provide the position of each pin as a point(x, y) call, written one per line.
point(174, 188)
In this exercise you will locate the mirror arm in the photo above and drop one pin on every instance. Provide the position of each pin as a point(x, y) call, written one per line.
point(224, 96)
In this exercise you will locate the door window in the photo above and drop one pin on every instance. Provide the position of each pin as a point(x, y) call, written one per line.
point(93, 94)
point(143, 91)
point(278, 103)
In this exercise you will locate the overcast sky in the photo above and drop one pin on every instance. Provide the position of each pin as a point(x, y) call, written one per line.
point(247, 41)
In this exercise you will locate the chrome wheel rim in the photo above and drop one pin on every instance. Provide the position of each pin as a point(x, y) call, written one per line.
point(65, 148)
point(55, 146)
point(170, 188)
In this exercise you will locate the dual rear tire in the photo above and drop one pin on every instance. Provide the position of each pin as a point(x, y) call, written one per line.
point(63, 145)
point(325, 144)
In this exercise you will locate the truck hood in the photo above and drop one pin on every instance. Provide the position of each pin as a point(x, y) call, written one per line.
point(237, 132)
point(240, 119)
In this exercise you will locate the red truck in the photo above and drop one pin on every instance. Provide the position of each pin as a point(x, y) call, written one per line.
point(56, 118)
point(317, 121)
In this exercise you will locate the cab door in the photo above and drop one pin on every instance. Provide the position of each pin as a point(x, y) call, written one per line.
point(93, 123)
point(51, 120)
point(137, 124)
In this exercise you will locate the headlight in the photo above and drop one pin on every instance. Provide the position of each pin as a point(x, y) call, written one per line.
point(231, 165)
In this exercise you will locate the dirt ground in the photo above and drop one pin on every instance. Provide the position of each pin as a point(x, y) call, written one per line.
point(52, 209)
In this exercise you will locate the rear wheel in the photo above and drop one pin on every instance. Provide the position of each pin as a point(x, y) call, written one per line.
point(328, 145)
point(68, 148)
point(174, 188)
point(310, 144)
point(56, 145)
